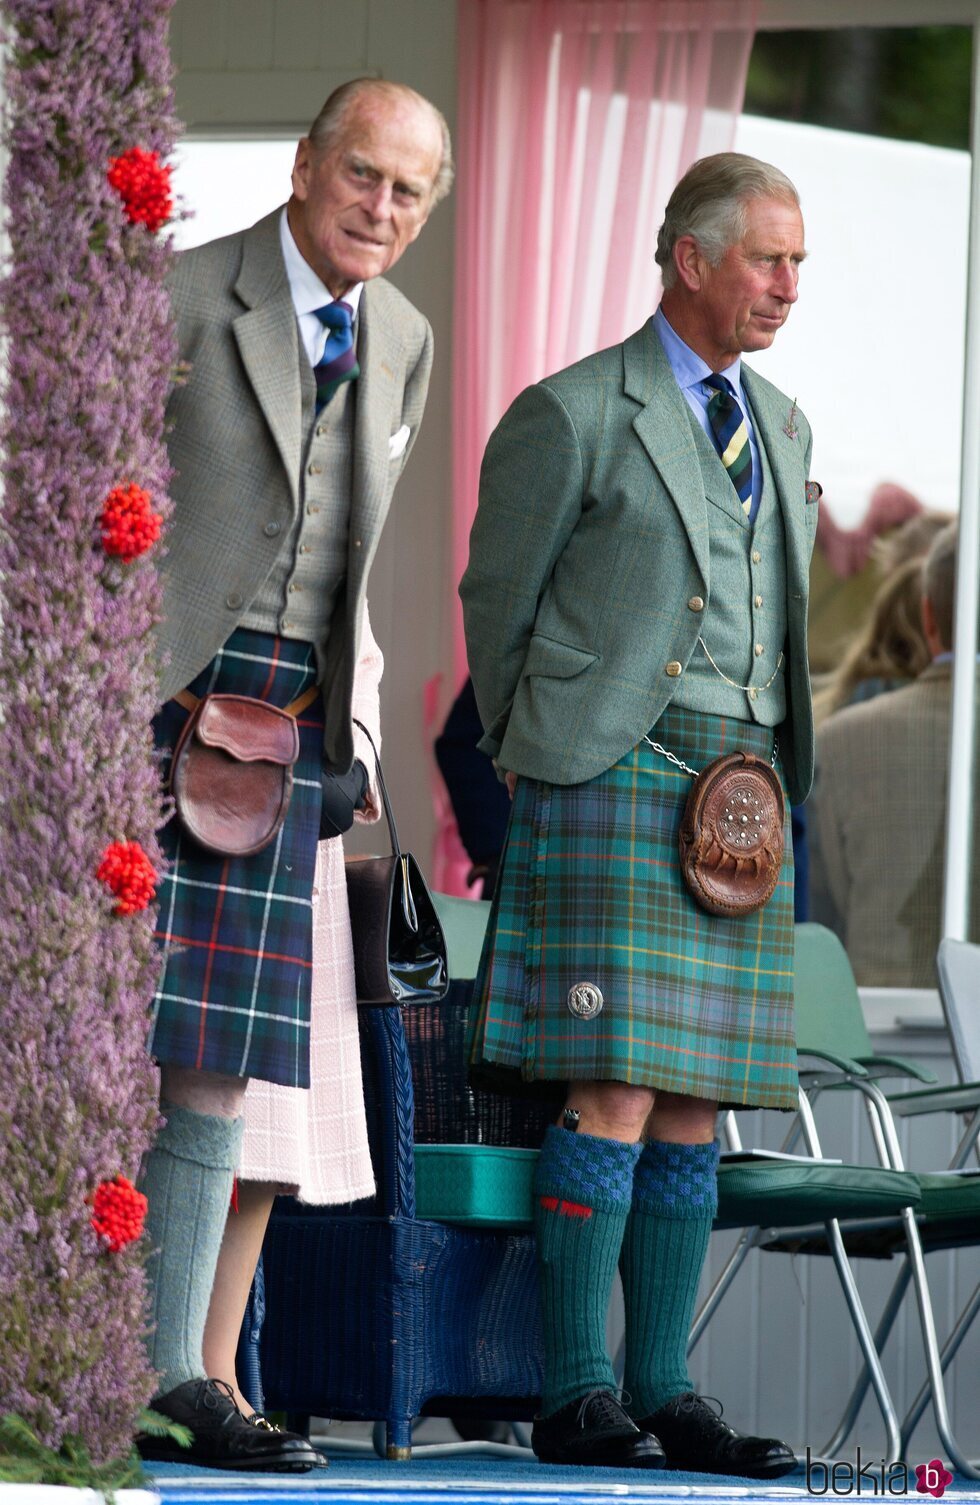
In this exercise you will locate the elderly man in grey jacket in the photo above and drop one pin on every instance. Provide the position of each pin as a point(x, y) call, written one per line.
point(307, 380)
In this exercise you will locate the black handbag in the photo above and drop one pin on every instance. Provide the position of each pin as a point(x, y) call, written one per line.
point(399, 947)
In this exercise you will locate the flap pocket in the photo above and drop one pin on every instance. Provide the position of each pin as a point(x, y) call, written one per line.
point(557, 660)
point(248, 730)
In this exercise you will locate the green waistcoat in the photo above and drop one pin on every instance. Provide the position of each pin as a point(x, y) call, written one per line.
point(743, 623)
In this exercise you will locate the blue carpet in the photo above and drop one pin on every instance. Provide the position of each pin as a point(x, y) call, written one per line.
point(362, 1480)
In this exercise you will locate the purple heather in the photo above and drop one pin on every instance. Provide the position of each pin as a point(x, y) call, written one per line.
point(90, 354)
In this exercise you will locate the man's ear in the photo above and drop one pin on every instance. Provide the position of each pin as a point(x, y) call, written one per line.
point(301, 168)
point(689, 262)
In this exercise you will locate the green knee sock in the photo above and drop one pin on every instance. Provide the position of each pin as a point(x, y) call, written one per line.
point(187, 1180)
point(582, 1191)
point(675, 1198)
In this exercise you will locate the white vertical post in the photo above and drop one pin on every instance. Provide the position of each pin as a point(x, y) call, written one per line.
point(962, 793)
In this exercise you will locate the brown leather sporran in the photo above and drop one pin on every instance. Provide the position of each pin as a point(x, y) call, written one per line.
point(731, 835)
point(232, 770)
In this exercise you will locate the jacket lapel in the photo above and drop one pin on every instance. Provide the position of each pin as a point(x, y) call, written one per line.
point(380, 358)
point(268, 341)
point(786, 460)
point(663, 428)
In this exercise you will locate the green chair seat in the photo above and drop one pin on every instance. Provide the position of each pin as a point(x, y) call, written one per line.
point(478, 1185)
point(948, 1195)
point(487, 1186)
point(781, 1193)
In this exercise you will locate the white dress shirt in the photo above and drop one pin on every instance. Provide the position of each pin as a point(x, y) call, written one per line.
point(309, 294)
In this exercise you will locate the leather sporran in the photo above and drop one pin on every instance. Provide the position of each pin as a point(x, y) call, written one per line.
point(232, 771)
point(731, 836)
point(399, 947)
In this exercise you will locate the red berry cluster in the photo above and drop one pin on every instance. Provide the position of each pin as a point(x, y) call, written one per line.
point(118, 1213)
point(129, 524)
point(130, 874)
point(143, 184)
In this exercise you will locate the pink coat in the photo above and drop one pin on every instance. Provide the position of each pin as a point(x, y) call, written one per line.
point(314, 1141)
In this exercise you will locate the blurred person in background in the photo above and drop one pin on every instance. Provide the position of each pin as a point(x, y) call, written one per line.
point(879, 804)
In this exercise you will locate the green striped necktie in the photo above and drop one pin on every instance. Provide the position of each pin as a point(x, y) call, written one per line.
point(732, 437)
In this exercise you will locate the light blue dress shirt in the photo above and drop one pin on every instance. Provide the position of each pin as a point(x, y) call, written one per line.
point(690, 372)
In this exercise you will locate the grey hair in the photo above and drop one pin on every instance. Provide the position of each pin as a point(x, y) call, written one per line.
point(939, 580)
point(326, 127)
point(709, 204)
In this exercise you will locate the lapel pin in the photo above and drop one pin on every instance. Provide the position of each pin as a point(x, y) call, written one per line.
point(789, 427)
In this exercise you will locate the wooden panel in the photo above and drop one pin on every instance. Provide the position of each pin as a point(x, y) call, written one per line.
point(197, 34)
point(299, 31)
point(784, 15)
point(250, 32)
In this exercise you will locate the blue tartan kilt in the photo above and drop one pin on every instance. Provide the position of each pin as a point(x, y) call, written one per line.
point(590, 891)
point(236, 932)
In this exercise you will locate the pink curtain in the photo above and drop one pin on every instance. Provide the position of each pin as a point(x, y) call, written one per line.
point(576, 118)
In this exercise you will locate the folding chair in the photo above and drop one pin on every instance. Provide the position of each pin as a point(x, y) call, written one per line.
point(946, 1213)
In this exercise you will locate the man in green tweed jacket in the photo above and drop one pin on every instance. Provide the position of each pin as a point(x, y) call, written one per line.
point(638, 575)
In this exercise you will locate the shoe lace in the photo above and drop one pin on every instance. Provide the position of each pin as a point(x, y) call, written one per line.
point(602, 1406)
point(211, 1393)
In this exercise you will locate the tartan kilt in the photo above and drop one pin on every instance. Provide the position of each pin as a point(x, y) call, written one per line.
point(237, 932)
point(590, 891)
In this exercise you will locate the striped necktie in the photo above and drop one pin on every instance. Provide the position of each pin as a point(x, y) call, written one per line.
point(338, 363)
point(732, 437)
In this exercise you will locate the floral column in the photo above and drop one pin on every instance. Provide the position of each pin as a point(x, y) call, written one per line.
point(90, 354)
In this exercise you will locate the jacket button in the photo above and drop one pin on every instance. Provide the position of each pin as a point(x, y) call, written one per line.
point(696, 603)
point(673, 668)
point(315, 469)
point(357, 543)
point(756, 557)
point(271, 529)
point(234, 601)
point(758, 600)
point(759, 650)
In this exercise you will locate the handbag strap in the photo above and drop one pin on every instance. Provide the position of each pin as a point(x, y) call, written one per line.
point(294, 708)
point(392, 832)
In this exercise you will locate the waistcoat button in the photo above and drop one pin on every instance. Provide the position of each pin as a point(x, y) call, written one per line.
point(271, 529)
point(233, 601)
point(756, 557)
point(673, 668)
point(315, 469)
point(696, 603)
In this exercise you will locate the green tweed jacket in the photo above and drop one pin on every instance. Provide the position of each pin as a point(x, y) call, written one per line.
point(590, 539)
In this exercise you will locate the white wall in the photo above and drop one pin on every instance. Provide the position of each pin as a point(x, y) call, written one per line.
point(874, 347)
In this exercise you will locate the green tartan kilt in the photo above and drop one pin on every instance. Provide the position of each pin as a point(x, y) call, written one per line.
point(590, 891)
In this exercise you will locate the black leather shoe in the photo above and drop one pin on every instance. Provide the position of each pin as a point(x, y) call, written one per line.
point(594, 1431)
point(697, 1440)
point(222, 1437)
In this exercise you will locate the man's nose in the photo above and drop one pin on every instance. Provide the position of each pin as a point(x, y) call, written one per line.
point(378, 202)
point(787, 279)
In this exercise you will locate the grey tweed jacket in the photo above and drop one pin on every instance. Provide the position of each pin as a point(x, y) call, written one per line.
point(590, 540)
point(237, 443)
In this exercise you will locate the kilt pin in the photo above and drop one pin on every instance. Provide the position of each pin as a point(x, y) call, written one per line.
point(236, 932)
point(590, 893)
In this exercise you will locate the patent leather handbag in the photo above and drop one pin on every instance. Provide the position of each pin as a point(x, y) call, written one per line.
point(399, 946)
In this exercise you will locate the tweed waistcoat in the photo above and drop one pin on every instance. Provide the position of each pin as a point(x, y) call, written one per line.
point(297, 597)
point(744, 619)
